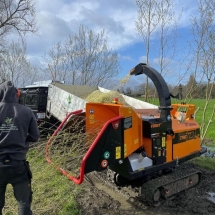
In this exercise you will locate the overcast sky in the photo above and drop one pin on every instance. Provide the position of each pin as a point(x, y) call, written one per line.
point(58, 18)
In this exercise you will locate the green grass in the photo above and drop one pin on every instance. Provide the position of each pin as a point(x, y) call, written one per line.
point(200, 103)
point(204, 162)
point(52, 193)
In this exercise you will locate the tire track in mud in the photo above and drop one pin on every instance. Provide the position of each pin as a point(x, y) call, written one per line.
point(128, 202)
point(125, 203)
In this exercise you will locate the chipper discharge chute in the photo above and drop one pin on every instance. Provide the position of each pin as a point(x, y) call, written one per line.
point(143, 147)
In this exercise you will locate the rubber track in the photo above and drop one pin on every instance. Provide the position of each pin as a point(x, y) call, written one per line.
point(144, 194)
point(148, 188)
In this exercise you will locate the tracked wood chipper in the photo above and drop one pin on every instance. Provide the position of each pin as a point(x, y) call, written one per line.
point(143, 147)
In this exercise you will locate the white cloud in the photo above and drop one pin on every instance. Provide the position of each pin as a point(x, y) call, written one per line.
point(126, 57)
point(77, 10)
point(142, 59)
point(51, 30)
point(59, 18)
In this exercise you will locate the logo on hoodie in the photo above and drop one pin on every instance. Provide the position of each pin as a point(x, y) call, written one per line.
point(8, 125)
point(8, 121)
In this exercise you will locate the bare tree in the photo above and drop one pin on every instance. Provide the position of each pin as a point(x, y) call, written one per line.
point(59, 63)
point(158, 16)
point(157, 20)
point(16, 16)
point(15, 67)
point(147, 22)
point(167, 35)
point(84, 59)
point(204, 38)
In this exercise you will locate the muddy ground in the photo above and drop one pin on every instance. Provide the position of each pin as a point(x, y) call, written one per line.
point(98, 199)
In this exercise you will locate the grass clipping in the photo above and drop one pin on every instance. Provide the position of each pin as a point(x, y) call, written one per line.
point(98, 96)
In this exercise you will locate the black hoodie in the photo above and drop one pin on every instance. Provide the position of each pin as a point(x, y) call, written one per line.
point(17, 124)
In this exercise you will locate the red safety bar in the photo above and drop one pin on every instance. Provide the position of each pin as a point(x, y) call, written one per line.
point(80, 178)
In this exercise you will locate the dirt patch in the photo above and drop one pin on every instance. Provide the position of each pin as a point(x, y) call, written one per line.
point(98, 199)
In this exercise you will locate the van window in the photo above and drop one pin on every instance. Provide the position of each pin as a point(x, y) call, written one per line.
point(31, 99)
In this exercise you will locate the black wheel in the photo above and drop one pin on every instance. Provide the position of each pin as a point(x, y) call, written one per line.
point(119, 180)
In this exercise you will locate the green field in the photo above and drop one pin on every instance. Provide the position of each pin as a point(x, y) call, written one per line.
point(200, 103)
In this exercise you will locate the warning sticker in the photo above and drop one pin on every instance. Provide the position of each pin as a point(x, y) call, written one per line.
point(118, 152)
point(163, 141)
point(159, 152)
point(125, 149)
point(91, 118)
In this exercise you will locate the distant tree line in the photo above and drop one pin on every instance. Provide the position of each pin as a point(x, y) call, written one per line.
point(191, 89)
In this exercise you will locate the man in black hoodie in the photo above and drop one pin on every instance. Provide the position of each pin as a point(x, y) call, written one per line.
point(18, 126)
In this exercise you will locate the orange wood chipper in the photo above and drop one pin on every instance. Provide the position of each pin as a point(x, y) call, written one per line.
point(142, 146)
